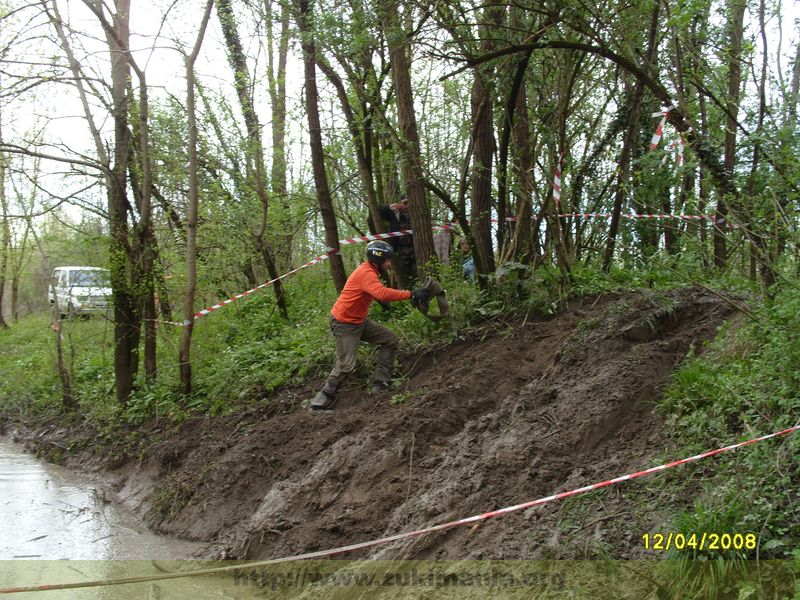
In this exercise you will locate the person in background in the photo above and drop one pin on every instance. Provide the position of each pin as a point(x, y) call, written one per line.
point(396, 218)
point(442, 240)
point(468, 266)
point(350, 325)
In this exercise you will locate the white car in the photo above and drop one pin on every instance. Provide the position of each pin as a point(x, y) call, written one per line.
point(80, 290)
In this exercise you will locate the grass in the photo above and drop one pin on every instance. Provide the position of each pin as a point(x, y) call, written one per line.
point(746, 385)
point(240, 354)
point(28, 359)
point(246, 351)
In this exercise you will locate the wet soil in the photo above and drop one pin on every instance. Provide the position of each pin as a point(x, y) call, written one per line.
point(515, 412)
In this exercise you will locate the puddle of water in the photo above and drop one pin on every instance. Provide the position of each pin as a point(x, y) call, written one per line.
point(50, 513)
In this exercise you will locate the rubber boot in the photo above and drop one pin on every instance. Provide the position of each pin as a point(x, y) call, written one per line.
point(324, 400)
point(436, 291)
point(382, 376)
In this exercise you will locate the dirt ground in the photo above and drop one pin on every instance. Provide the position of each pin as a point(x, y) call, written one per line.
point(521, 412)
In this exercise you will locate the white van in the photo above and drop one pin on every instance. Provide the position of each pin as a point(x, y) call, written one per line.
point(81, 290)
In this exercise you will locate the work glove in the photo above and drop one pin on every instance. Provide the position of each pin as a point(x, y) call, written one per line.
point(419, 298)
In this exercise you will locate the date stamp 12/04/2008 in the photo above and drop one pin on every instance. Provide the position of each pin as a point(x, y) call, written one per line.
point(710, 541)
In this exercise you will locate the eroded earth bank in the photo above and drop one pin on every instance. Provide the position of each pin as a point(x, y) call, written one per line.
point(519, 411)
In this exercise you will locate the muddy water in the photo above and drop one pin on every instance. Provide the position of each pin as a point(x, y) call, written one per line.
point(53, 513)
point(49, 513)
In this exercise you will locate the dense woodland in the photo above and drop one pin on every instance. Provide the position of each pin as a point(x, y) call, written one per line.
point(533, 127)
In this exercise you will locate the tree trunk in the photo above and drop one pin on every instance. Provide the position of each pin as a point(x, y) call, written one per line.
point(191, 217)
point(481, 180)
point(255, 149)
point(68, 401)
point(18, 263)
point(14, 298)
point(483, 148)
point(736, 31)
point(361, 151)
point(123, 259)
point(686, 186)
point(143, 250)
point(154, 281)
point(564, 244)
point(126, 306)
point(790, 127)
point(766, 240)
point(145, 235)
point(514, 101)
point(628, 143)
point(142, 254)
point(144, 243)
point(522, 248)
point(413, 176)
point(317, 156)
point(5, 237)
point(277, 95)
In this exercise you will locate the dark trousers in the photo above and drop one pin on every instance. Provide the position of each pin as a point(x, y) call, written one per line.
point(405, 255)
point(348, 336)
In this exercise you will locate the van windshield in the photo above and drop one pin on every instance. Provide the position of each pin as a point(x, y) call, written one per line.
point(89, 278)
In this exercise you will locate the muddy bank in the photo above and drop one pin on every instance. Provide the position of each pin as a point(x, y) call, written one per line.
point(523, 411)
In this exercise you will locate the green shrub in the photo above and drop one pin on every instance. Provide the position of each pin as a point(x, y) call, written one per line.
point(746, 385)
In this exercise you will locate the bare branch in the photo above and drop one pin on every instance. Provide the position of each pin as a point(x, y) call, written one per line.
point(14, 149)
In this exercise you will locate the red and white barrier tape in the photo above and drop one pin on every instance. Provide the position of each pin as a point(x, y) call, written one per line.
point(392, 234)
point(360, 239)
point(660, 127)
point(382, 236)
point(658, 133)
point(408, 534)
point(211, 309)
point(683, 217)
point(370, 238)
point(677, 146)
point(532, 503)
point(344, 242)
point(557, 182)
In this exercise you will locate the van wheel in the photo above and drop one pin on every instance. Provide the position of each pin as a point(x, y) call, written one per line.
point(71, 313)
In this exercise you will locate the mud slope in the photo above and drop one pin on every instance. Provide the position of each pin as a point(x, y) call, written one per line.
point(527, 411)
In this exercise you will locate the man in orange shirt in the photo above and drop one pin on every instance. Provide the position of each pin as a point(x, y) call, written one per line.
point(350, 325)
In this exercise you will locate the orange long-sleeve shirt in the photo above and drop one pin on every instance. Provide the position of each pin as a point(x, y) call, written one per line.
point(361, 288)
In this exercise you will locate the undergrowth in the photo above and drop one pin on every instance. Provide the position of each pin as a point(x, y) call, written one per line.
point(246, 351)
point(745, 386)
